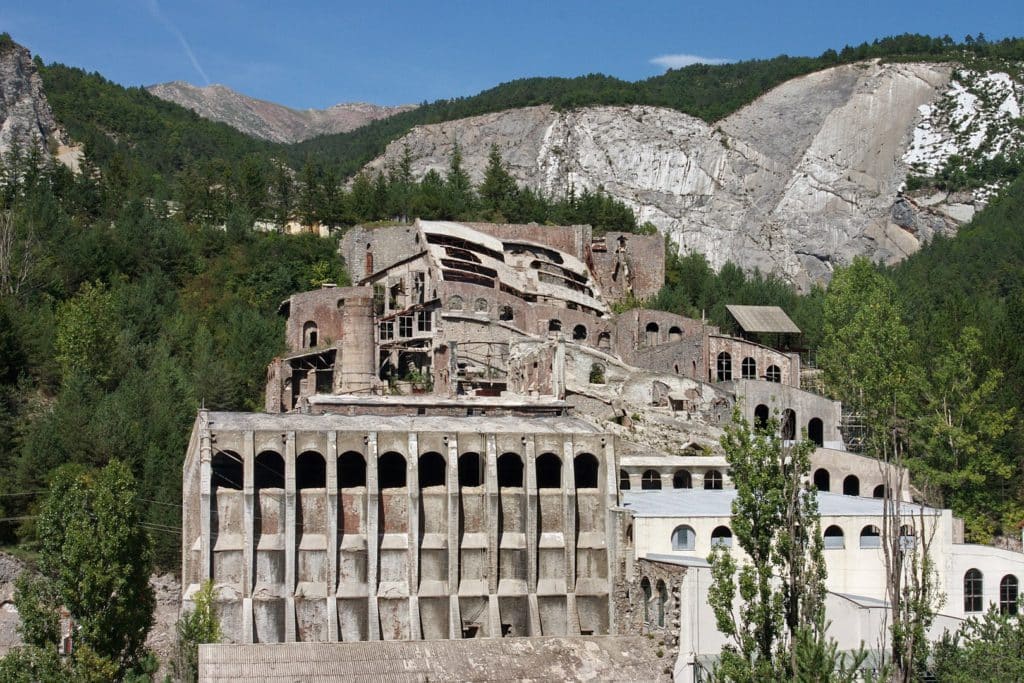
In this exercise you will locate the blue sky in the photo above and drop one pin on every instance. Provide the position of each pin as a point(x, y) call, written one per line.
point(314, 54)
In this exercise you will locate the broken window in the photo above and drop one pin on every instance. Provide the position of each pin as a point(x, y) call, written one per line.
point(505, 313)
point(455, 303)
point(554, 325)
point(788, 425)
point(481, 305)
point(724, 367)
point(652, 334)
point(579, 333)
point(822, 480)
point(748, 368)
point(351, 470)
point(604, 341)
point(773, 374)
point(269, 472)
point(424, 321)
point(310, 471)
point(815, 431)
point(387, 331)
point(227, 471)
point(470, 470)
point(378, 298)
point(432, 470)
point(761, 416)
point(391, 470)
point(650, 481)
point(405, 326)
point(586, 467)
point(549, 471)
point(510, 470)
point(309, 336)
point(682, 480)
point(851, 486)
point(623, 480)
point(418, 287)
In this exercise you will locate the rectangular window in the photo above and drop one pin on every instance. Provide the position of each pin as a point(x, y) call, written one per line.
point(424, 320)
point(387, 331)
point(405, 326)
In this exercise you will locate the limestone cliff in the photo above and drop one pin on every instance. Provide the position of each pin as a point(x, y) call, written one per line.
point(25, 116)
point(805, 177)
point(268, 120)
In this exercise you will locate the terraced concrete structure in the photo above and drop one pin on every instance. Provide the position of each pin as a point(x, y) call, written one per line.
point(400, 527)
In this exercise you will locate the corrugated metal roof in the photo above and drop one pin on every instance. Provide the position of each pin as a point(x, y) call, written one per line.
point(763, 319)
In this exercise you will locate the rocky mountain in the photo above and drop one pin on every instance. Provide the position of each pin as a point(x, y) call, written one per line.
point(807, 176)
point(25, 116)
point(268, 120)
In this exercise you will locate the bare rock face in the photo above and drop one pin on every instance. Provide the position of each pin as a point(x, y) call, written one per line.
point(806, 177)
point(268, 120)
point(26, 120)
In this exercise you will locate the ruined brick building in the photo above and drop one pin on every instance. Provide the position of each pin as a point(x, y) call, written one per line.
point(469, 442)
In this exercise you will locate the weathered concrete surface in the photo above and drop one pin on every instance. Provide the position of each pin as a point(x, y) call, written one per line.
point(607, 658)
point(801, 179)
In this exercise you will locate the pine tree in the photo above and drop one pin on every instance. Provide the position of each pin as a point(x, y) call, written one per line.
point(498, 192)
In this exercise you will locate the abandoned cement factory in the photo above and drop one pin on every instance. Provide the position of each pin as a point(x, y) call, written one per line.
point(471, 444)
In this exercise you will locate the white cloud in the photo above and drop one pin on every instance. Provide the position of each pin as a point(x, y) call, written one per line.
point(679, 61)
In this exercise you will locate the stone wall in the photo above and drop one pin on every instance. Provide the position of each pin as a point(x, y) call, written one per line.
point(628, 265)
point(369, 250)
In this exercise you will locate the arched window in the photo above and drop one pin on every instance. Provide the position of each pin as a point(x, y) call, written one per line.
point(585, 469)
point(645, 586)
point(761, 415)
point(455, 303)
point(675, 334)
point(597, 374)
point(227, 471)
point(684, 538)
point(391, 470)
point(269, 472)
point(623, 480)
point(851, 486)
point(309, 335)
point(549, 471)
point(907, 537)
point(506, 313)
point(652, 334)
point(773, 374)
point(721, 536)
point(682, 480)
point(879, 491)
point(834, 539)
point(579, 333)
point(481, 305)
point(1008, 592)
point(510, 470)
point(604, 341)
point(713, 480)
point(974, 592)
point(816, 431)
point(662, 601)
point(554, 325)
point(310, 471)
point(749, 368)
point(788, 425)
point(351, 470)
point(724, 367)
point(432, 470)
point(650, 480)
point(870, 537)
point(822, 479)
point(471, 471)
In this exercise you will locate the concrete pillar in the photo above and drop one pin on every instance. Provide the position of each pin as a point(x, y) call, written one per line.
point(493, 496)
point(289, 537)
point(332, 536)
point(372, 536)
point(569, 511)
point(532, 515)
point(412, 486)
point(249, 548)
point(611, 528)
point(454, 611)
point(206, 500)
point(558, 369)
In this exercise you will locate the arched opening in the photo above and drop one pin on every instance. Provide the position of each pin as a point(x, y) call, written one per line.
point(1009, 590)
point(834, 539)
point(604, 341)
point(432, 470)
point(721, 536)
point(623, 480)
point(597, 374)
point(510, 470)
point(310, 471)
point(684, 538)
point(682, 480)
point(650, 481)
point(662, 601)
point(870, 537)
point(506, 313)
point(651, 333)
point(761, 415)
point(269, 471)
point(227, 471)
point(724, 367)
point(748, 368)
point(974, 592)
point(675, 334)
point(470, 470)
point(879, 491)
point(773, 374)
point(822, 480)
point(645, 586)
point(579, 333)
point(554, 325)
point(816, 431)
point(455, 303)
point(712, 480)
point(851, 486)
point(549, 471)
point(585, 467)
point(788, 427)
point(391, 470)
point(481, 305)
point(351, 470)
point(309, 335)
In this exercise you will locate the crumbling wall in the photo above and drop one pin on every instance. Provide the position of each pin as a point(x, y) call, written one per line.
point(628, 265)
point(763, 356)
point(368, 250)
point(572, 239)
